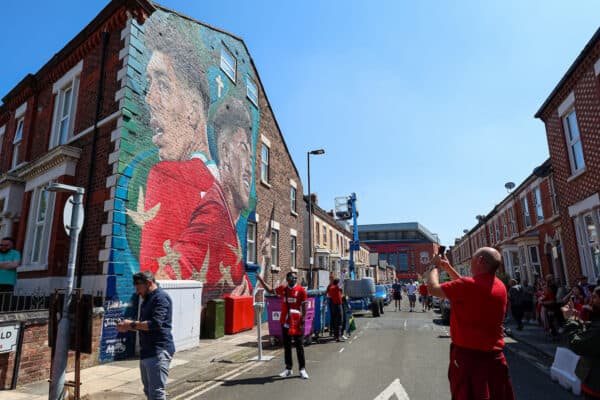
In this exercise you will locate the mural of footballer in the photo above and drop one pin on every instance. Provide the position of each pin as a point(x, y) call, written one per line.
point(191, 206)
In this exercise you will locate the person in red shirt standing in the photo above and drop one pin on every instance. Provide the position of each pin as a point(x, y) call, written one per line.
point(293, 310)
point(335, 299)
point(423, 295)
point(478, 368)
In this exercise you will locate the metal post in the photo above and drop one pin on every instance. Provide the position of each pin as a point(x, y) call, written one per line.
point(59, 364)
point(310, 227)
point(258, 307)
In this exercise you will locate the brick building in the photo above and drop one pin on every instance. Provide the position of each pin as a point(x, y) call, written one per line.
point(571, 115)
point(525, 227)
point(164, 121)
point(408, 246)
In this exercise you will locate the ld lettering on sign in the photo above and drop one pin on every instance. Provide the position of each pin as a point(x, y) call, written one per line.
point(8, 337)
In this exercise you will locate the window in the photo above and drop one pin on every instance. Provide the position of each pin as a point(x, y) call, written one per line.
point(252, 91)
point(293, 251)
point(593, 243)
point(491, 232)
point(251, 243)
point(526, 215)
point(39, 226)
point(574, 144)
point(318, 233)
point(497, 229)
point(553, 197)
point(504, 226)
point(17, 142)
point(331, 238)
point(293, 199)
point(274, 248)
point(2, 129)
point(65, 104)
point(324, 235)
point(264, 163)
point(513, 225)
point(228, 63)
point(537, 198)
point(534, 257)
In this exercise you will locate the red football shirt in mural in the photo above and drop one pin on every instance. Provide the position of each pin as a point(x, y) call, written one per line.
point(191, 235)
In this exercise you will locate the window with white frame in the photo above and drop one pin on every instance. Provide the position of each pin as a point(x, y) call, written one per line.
point(573, 139)
point(497, 230)
point(534, 258)
point(324, 235)
point(593, 242)
point(293, 199)
point(537, 198)
point(264, 163)
point(252, 90)
point(228, 63)
point(293, 251)
point(2, 129)
point(513, 224)
point(274, 248)
point(526, 215)
point(65, 91)
point(251, 243)
point(504, 226)
point(38, 228)
point(17, 142)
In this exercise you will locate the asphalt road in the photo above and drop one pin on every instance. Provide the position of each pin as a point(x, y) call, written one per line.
point(400, 355)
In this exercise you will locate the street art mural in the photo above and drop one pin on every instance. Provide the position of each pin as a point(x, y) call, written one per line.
point(185, 186)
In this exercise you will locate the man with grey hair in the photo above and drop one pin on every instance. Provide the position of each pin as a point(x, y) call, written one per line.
point(478, 368)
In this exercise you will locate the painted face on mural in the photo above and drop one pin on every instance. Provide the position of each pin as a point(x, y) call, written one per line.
point(235, 168)
point(177, 118)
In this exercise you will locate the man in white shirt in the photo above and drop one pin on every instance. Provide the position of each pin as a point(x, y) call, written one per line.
point(411, 289)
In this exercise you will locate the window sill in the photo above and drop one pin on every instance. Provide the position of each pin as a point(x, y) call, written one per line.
point(576, 175)
point(294, 213)
point(264, 183)
point(16, 167)
point(32, 267)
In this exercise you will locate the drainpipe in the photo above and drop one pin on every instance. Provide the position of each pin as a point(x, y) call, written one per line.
point(92, 164)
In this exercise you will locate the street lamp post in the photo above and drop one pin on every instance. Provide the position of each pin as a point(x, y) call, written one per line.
point(61, 346)
point(310, 227)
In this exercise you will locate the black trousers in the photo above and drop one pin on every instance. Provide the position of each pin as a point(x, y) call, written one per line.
point(517, 313)
point(287, 348)
point(336, 319)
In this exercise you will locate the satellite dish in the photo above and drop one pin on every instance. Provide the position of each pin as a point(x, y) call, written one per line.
point(465, 231)
point(509, 186)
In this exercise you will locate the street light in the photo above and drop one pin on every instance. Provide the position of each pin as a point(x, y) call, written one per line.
point(310, 227)
point(61, 346)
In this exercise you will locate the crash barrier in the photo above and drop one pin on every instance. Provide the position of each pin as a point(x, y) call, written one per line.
point(563, 370)
point(186, 297)
point(274, 312)
point(239, 314)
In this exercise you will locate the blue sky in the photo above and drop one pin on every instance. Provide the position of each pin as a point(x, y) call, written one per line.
point(425, 108)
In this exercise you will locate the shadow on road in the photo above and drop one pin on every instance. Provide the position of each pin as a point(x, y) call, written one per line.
point(251, 381)
point(439, 321)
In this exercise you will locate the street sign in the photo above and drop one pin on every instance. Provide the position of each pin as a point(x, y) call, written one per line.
point(9, 335)
point(67, 212)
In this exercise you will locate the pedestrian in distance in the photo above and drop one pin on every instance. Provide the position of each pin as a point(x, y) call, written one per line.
point(293, 311)
point(516, 297)
point(9, 261)
point(397, 292)
point(478, 368)
point(411, 289)
point(423, 295)
point(334, 293)
point(156, 340)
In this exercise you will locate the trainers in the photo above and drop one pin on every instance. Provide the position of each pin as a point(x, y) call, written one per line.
point(287, 373)
point(303, 374)
point(344, 337)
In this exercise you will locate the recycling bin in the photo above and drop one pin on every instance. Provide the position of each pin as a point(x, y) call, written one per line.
point(274, 312)
point(214, 319)
point(239, 314)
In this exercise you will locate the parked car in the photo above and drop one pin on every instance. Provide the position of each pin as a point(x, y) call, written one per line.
point(381, 292)
point(436, 301)
point(445, 310)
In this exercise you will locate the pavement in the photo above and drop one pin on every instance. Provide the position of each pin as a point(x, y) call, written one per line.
point(214, 358)
point(121, 379)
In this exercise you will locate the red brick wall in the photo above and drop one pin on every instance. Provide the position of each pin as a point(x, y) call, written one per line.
point(35, 354)
point(586, 87)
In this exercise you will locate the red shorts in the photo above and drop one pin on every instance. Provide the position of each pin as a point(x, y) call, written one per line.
point(479, 375)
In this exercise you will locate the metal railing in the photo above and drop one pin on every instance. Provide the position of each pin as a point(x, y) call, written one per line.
point(35, 300)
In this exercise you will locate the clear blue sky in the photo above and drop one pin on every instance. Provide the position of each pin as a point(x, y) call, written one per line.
point(425, 108)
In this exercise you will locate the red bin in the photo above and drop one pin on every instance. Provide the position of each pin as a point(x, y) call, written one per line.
point(239, 314)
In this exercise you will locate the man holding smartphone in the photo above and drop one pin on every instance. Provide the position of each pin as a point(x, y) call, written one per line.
point(478, 369)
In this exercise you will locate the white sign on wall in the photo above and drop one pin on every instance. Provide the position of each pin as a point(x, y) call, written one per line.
point(8, 337)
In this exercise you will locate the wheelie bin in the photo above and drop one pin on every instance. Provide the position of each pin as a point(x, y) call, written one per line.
point(273, 303)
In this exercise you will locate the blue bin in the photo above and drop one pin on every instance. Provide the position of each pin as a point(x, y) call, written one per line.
point(321, 311)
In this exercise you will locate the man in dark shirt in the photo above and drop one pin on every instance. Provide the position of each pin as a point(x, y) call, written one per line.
point(156, 341)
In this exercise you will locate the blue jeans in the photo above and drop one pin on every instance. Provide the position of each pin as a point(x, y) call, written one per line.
point(155, 371)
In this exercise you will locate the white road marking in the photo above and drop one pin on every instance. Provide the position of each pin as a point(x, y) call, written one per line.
point(395, 390)
point(405, 322)
point(342, 349)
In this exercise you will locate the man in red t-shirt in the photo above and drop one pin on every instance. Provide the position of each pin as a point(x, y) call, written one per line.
point(335, 301)
point(293, 310)
point(478, 369)
point(423, 295)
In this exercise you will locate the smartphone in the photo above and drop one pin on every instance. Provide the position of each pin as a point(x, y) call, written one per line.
point(442, 251)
